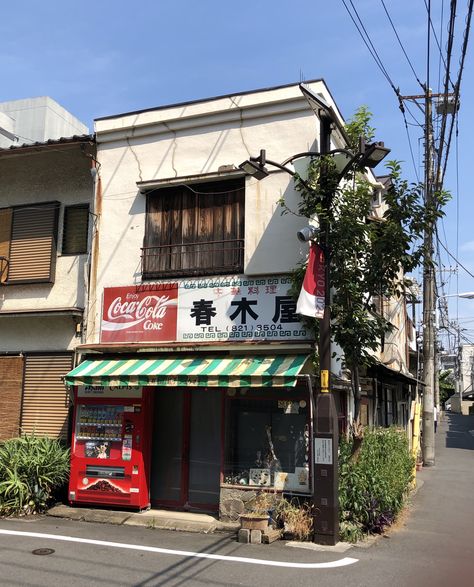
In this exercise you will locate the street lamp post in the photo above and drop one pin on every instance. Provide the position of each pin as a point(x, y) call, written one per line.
point(325, 419)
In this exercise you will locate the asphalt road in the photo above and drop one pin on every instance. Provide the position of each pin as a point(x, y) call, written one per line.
point(433, 547)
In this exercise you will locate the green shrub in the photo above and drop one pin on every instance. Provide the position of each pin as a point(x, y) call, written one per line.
point(31, 469)
point(373, 489)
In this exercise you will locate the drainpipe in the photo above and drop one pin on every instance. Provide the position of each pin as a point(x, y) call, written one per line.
point(96, 210)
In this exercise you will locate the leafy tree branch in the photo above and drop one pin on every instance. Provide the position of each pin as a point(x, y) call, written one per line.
point(369, 256)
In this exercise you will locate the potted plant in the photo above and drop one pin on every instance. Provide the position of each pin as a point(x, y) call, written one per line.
point(257, 516)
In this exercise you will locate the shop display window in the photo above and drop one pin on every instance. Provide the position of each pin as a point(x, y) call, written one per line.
point(267, 443)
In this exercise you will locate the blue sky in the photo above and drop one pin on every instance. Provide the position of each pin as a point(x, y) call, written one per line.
point(104, 57)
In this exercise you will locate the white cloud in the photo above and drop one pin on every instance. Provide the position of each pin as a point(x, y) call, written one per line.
point(467, 247)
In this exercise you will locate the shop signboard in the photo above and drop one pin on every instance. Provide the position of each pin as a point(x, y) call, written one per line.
point(220, 309)
point(135, 314)
point(100, 391)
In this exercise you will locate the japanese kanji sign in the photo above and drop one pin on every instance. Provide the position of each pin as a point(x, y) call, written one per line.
point(235, 308)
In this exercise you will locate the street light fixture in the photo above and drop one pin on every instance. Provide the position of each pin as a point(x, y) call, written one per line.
point(372, 155)
point(255, 166)
point(325, 420)
point(368, 156)
point(467, 295)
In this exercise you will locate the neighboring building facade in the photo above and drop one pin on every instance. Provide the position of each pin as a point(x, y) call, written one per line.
point(34, 120)
point(46, 193)
point(391, 385)
point(465, 381)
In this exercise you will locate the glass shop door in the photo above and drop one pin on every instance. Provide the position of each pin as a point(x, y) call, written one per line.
point(186, 454)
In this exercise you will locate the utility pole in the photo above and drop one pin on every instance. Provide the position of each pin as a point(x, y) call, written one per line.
point(428, 299)
point(430, 367)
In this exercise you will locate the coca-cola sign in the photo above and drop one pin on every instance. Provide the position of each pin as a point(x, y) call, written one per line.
point(234, 308)
point(140, 314)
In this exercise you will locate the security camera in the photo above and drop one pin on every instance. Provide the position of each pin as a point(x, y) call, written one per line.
point(308, 233)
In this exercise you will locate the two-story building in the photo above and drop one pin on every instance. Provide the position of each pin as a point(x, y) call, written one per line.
point(190, 306)
point(190, 296)
point(46, 191)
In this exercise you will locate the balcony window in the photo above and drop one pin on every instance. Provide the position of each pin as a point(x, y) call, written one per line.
point(195, 229)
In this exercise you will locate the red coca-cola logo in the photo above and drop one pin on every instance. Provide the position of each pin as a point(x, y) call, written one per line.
point(130, 315)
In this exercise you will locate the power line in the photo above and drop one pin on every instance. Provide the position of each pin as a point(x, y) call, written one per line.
point(439, 175)
point(411, 149)
point(436, 37)
point(454, 258)
point(458, 82)
point(368, 43)
point(400, 43)
point(372, 50)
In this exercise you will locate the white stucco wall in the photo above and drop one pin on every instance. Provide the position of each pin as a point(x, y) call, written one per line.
point(466, 379)
point(37, 334)
point(198, 138)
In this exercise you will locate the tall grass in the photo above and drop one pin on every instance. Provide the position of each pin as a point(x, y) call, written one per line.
point(31, 470)
point(372, 490)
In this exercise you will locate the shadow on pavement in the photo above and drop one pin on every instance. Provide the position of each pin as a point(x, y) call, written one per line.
point(186, 570)
point(460, 432)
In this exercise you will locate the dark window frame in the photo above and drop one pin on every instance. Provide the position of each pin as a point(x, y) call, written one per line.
point(195, 229)
point(85, 249)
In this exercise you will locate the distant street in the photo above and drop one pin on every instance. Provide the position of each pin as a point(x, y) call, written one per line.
point(435, 546)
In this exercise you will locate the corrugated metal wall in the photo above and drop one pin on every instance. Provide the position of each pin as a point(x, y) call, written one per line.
point(45, 399)
point(33, 243)
point(11, 379)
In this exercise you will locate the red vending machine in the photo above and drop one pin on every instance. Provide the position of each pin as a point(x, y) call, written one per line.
point(110, 450)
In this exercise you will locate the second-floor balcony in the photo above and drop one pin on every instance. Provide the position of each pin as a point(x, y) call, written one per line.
point(199, 258)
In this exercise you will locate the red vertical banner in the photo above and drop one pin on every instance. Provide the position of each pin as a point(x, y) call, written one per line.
point(312, 295)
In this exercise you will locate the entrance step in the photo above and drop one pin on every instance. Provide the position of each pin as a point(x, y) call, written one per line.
point(161, 519)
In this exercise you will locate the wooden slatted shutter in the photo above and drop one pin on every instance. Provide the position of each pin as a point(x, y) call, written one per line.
point(11, 379)
point(5, 235)
point(75, 231)
point(33, 243)
point(195, 231)
point(45, 408)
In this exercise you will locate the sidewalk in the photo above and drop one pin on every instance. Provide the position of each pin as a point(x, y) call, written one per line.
point(445, 505)
point(443, 516)
point(161, 519)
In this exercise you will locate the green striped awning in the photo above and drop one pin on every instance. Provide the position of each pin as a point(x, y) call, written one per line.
point(256, 371)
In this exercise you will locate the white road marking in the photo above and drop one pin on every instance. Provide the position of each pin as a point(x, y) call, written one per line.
point(237, 559)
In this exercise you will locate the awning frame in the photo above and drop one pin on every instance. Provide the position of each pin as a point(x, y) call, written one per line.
point(191, 371)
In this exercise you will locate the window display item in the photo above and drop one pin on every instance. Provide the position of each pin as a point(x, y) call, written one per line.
point(267, 444)
point(260, 477)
